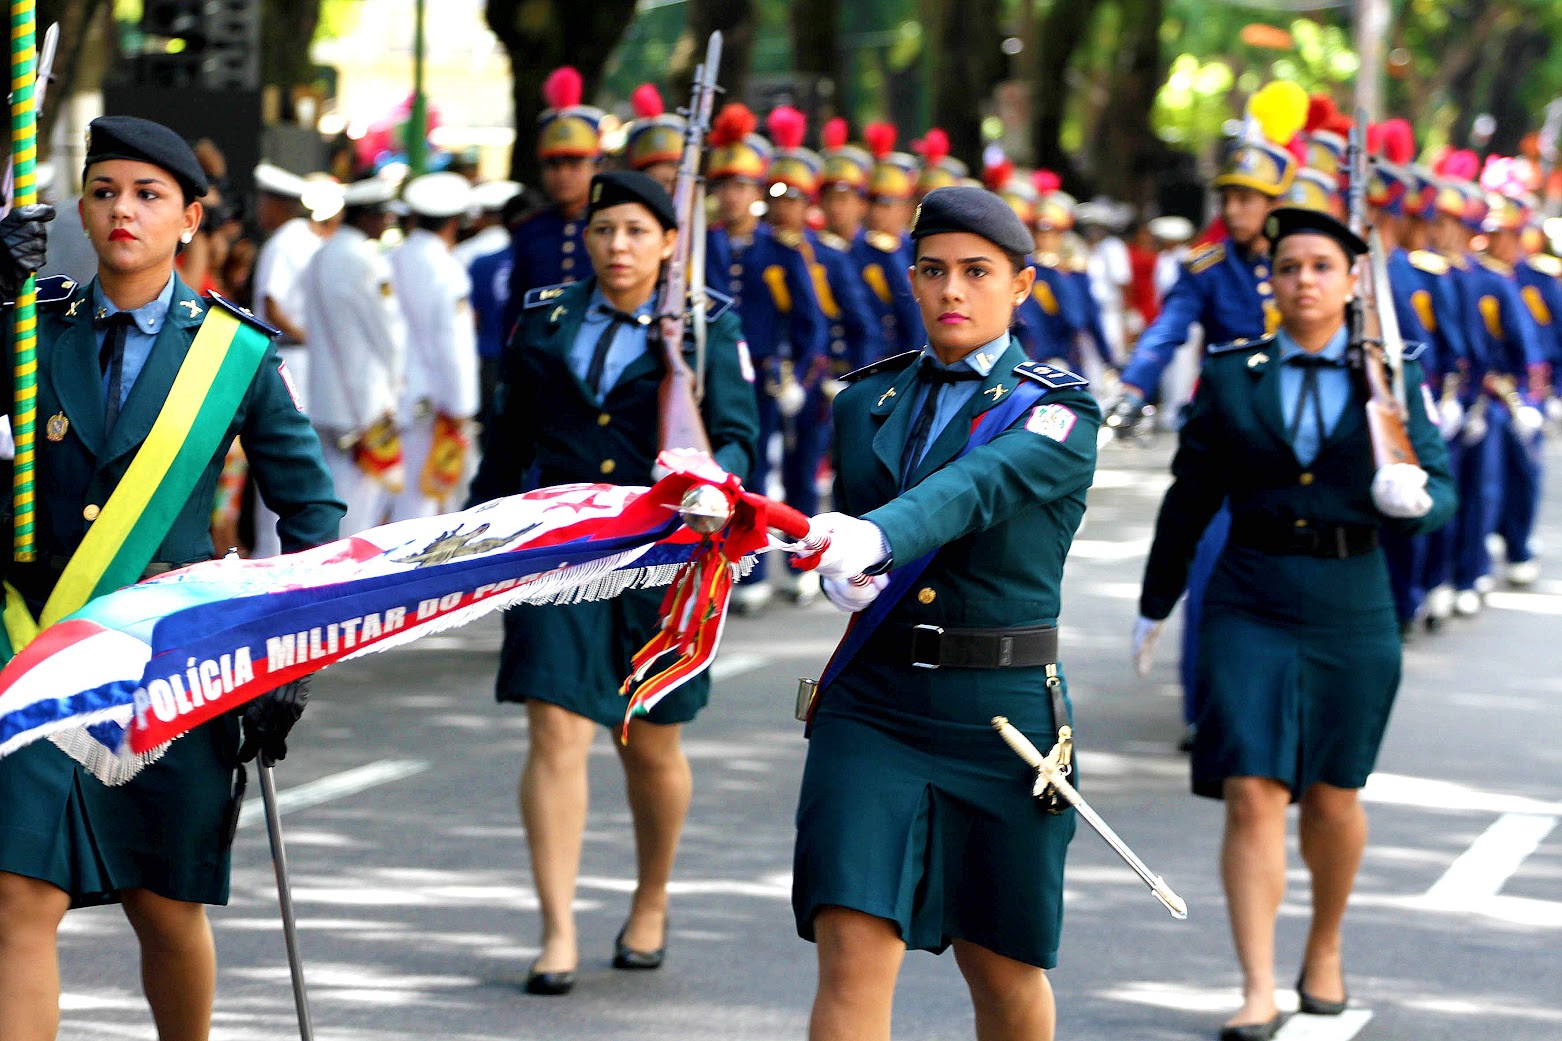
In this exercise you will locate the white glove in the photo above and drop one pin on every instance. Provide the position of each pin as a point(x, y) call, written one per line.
point(1399, 490)
point(1146, 632)
point(1529, 420)
point(854, 594)
point(1474, 428)
point(1554, 409)
point(7, 444)
point(1450, 418)
point(851, 546)
point(684, 458)
point(790, 398)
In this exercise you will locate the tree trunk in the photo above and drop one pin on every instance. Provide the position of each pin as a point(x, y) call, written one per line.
point(738, 21)
point(1522, 50)
point(1124, 149)
point(541, 35)
point(816, 54)
point(966, 64)
point(1059, 36)
point(286, 27)
point(75, 18)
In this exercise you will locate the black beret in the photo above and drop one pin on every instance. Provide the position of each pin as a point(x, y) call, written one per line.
point(617, 187)
point(141, 140)
point(976, 210)
point(1295, 220)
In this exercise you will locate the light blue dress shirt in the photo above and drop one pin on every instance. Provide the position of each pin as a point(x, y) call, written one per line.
point(955, 395)
point(1333, 392)
point(148, 318)
point(629, 343)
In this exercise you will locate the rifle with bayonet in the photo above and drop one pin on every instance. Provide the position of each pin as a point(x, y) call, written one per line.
point(1376, 348)
point(678, 397)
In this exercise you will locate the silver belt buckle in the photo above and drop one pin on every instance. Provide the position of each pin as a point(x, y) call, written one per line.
point(935, 633)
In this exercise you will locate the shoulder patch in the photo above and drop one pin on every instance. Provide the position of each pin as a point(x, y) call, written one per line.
point(834, 241)
point(243, 314)
point(546, 294)
point(717, 304)
point(1241, 343)
point(1205, 257)
point(891, 364)
point(1050, 376)
point(1492, 264)
point(883, 241)
point(1426, 260)
point(1546, 264)
point(56, 289)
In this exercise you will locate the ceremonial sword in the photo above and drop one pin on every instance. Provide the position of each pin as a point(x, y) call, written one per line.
point(1050, 774)
point(295, 962)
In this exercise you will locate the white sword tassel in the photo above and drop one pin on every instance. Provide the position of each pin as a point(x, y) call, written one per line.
point(1050, 774)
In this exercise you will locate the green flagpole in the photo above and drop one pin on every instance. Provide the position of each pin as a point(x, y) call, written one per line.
point(417, 122)
point(24, 153)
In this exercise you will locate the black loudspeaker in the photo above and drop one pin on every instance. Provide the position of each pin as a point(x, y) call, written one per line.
point(231, 118)
point(212, 44)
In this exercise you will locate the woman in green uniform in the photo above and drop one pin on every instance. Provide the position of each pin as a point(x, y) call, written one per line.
point(916, 827)
point(577, 400)
point(1299, 650)
point(108, 353)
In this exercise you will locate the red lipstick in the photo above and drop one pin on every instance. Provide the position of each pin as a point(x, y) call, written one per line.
point(120, 235)
point(950, 318)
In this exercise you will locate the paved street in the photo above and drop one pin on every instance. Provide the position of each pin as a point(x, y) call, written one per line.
point(419, 921)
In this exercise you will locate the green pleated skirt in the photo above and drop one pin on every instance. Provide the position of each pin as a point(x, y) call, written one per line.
point(166, 830)
point(913, 809)
point(576, 656)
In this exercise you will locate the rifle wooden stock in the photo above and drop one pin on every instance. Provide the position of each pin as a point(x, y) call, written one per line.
point(680, 422)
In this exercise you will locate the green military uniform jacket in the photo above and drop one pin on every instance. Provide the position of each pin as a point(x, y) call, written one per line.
point(545, 417)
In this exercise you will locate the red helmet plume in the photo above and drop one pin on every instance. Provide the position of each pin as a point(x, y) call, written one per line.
point(563, 87)
point(997, 175)
point(880, 138)
point(836, 132)
point(787, 126)
point(934, 146)
point(732, 124)
point(1046, 181)
point(647, 101)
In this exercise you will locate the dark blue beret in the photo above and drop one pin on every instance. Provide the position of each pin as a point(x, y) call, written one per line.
point(616, 187)
point(976, 210)
point(1295, 220)
point(143, 141)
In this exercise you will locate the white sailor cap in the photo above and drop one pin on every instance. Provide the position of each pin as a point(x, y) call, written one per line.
point(442, 194)
point(323, 196)
point(490, 196)
point(1172, 228)
point(371, 191)
point(274, 180)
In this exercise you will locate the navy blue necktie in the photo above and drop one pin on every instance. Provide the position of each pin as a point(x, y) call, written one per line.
point(936, 379)
point(1309, 398)
point(605, 343)
point(111, 362)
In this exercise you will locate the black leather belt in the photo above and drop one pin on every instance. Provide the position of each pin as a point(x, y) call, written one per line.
point(1282, 537)
point(938, 647)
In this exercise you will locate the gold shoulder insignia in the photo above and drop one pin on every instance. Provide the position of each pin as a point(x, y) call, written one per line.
point(1426, 260)
point(883, 241)
point(790, 239)
point(1546, 264)
point(1491, 263)
point(1205, 257)
point(834, 241)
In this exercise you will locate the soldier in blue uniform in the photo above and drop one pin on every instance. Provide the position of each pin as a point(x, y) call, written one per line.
point(108, 354)
point(1300, 655)
point(961, 470)
point(1062, 310)
point(654, 142)
point(549, 245)
point(578, 399)
point(773, 290)
point(882, 248)
point(793, 183)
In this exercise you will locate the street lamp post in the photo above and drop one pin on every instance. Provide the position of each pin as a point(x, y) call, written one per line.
point(1371, 32)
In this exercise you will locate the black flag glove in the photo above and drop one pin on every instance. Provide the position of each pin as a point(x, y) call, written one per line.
point(22, 241)
point(268, 719)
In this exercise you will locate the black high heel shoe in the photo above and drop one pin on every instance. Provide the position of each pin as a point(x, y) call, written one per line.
point(1317, 1006)
point(549, 984)
point(626, 957)
point(1251, 1031)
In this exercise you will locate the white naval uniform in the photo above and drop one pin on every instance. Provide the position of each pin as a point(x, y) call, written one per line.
point(490, 240)
point(358, 348)
point(278, 267)
point(435, 292)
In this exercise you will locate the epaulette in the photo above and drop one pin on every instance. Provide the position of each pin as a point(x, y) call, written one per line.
point(1205, 257)
point(833, 241)
point(1414, 349)
point(1546, 264)
point(717, 304)
point(790, 239)
point(1491, 263)
point(1048, 260)
point(1078, 264)
point(243, 314)
point(1050, 376)
point(883, 241)
point(1241, 343)
point(543, 295)
point(1426, 260)
point(893, 363)
point(56, 289)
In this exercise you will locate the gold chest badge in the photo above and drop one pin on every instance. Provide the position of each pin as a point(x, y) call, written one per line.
point(55, 429)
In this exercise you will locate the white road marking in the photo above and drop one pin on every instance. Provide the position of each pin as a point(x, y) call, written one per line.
point(1100, 549)
point(1342, 1027)
point(1186, 997)
point(334, 786)
point(1430, 794)
point(1481, 871)
point(1531, 603)
point(730, 665)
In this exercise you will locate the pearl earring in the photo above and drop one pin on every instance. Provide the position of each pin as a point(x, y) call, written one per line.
point(186, 237)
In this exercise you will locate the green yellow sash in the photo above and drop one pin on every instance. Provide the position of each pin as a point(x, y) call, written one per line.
point(216, 374)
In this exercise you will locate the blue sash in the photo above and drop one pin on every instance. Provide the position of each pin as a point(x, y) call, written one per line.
point(863, 624)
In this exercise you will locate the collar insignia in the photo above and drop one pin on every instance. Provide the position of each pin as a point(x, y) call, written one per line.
point(885, 397)
point(1256, 360)
point(195, 308)
point(997, 392)
point(70, 312)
